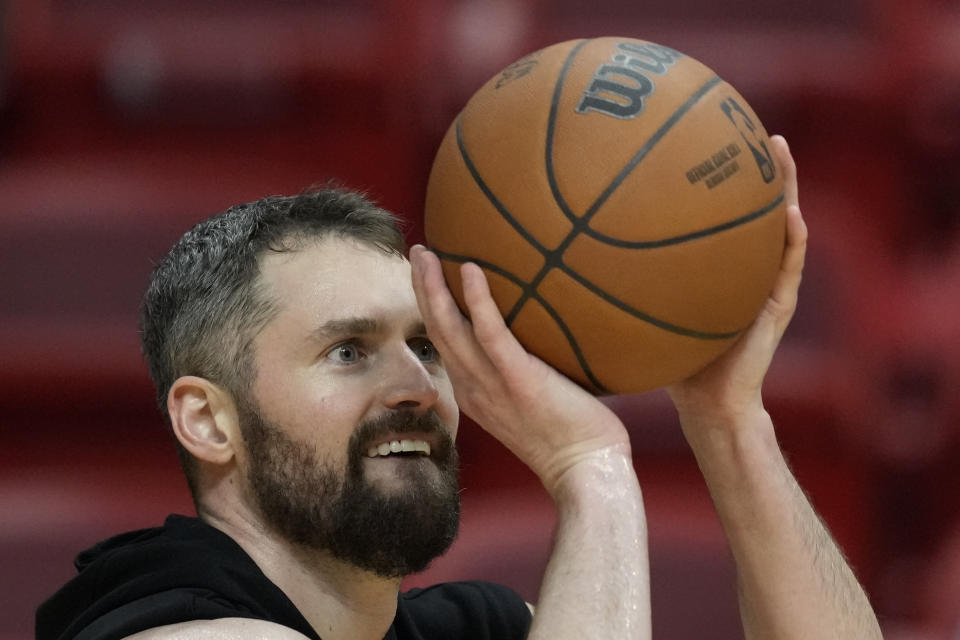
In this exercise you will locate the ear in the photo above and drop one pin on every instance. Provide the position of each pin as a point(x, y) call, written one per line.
point(204, 419)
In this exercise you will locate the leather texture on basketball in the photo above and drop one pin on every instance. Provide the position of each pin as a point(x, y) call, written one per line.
point(624, 204)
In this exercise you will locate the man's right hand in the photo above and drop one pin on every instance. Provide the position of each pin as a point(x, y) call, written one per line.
point(544, 418)
point(597, 581)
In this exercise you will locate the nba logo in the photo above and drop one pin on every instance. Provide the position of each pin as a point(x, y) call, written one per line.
point(748, 131)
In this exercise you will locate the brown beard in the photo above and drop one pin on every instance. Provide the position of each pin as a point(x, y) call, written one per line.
point(313, 505)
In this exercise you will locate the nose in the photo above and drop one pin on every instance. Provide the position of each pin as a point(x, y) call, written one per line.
point(409, 385)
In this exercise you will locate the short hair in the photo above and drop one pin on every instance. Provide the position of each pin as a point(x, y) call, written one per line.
point(205, 303)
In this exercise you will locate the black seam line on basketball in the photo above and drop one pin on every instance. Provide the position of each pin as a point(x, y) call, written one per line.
point(551, 129)
point(500, 271)
point(666, 242)
point(571, 340)
point(636, 313)
point(553, 259)
point(499, 206)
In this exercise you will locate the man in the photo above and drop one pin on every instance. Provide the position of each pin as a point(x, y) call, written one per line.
point(314, 394)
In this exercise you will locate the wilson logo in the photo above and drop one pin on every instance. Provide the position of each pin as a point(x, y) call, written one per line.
point(619, 88)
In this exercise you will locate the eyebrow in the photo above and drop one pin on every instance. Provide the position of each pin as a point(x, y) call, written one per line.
point(357, 326)
point(343, 326)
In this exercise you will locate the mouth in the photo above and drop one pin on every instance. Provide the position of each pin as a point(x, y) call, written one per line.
point(400, 447)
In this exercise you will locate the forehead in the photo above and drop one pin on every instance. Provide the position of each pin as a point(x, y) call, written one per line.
point(337, 277)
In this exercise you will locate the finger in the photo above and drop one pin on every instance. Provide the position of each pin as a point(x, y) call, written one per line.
point(795, 251)
point(417, 276)
point(437, 306)
point(488, 326)
point(450, 332)
point(789, 169)
point(786, 289)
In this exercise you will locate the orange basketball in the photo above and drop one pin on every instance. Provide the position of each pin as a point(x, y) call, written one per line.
point(624, 204)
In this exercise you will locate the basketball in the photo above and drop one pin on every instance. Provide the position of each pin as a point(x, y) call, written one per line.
point(624, 204)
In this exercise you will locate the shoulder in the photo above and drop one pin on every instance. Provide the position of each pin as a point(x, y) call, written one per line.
point(223, 629)
point(181, 572)
point(473, 609)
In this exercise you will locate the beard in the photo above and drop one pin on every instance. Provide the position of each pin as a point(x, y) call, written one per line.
point(389, 532)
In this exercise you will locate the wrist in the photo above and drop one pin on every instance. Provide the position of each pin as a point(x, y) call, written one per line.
point(594, 477)
point(713, 405)
point(724, 426)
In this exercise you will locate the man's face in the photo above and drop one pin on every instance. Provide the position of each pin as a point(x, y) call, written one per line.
point(346, 377)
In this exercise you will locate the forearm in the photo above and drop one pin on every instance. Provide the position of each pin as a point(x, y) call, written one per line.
point(597, 581)
point(794, 580)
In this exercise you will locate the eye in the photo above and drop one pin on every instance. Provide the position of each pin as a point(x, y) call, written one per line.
point(346, 353)
point(424, 350)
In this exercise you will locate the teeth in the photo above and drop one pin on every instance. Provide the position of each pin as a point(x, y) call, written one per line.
point(398, 446)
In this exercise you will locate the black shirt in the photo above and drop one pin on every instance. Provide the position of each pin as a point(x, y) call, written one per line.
point(187, 570)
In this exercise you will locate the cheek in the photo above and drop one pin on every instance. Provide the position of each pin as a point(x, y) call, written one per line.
point(309, 412)
point(331, 420)
point(447, 407)
point(277, 391)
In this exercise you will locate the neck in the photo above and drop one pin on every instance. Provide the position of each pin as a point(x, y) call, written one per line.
point(339, 600)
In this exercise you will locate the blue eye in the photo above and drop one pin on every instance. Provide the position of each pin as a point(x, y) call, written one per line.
point(424, 350)
point(345, 353)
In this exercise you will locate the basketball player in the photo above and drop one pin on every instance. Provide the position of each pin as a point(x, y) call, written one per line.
point(314, 394)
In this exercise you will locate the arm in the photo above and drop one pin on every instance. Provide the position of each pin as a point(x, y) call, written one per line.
point(794, 581)
point(596, 584)
point(222, 629)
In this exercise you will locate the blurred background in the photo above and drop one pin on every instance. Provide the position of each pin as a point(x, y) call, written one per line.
point(123, 122)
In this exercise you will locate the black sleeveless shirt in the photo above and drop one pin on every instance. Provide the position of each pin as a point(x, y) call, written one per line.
point(187, 570)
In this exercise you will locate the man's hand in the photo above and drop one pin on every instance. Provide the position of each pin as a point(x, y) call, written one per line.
point(545, 419)
point(597, 581)
point(729, 388)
